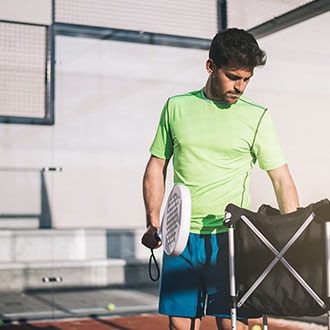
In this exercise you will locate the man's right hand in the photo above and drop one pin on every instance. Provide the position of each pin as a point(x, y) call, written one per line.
point(149, 238)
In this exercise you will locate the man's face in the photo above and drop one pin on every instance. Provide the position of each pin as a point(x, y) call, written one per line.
point(227, 84)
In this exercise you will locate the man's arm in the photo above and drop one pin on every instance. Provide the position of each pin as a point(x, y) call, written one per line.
point(153, 194)
point(285, 189)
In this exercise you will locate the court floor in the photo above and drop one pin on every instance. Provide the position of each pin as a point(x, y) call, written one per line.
point(135, 308)
point(144, 322)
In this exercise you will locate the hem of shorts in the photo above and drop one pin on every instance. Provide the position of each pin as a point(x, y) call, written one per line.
point(180, 315)
point(227, 316)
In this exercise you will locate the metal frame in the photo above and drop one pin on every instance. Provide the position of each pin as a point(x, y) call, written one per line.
point(141, 37)
point(290, 18)
point(278, 257)
point(232, 278)
point(222, 14)
point(327, 255)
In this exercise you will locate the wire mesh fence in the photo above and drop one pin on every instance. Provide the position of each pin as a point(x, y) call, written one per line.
point(23, 54)
point(185, 18)
point(248, 14)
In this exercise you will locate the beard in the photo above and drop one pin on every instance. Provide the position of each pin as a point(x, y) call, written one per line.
point(219, 94)
point(232, 96)
point(228, 97)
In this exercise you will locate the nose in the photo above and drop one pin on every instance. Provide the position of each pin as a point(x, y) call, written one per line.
point(239, 86)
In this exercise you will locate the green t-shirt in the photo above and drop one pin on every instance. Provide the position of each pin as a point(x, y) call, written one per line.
point(214, 148)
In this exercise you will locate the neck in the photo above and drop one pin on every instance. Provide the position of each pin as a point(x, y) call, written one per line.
point(209, 93)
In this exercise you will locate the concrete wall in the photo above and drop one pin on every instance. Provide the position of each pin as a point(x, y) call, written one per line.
point(108, 100)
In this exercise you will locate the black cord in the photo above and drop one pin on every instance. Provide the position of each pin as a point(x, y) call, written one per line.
point(153, 258)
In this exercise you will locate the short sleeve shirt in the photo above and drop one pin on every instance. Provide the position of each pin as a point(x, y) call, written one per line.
point(214, 148)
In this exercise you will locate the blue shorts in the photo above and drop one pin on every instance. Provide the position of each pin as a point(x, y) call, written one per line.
point(200, 271)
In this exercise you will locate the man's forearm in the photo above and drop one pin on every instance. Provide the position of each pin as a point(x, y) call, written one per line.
point(287, 197)
point(285, 189)
point(153, 189)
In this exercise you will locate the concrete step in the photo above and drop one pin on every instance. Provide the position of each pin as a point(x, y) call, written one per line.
point(42, 245)
point(19, 223)
point(74, 274)
point(52, 245)
point(81, 257)
point(126, 244)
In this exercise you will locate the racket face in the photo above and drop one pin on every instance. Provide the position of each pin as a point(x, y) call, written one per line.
point(176, 220)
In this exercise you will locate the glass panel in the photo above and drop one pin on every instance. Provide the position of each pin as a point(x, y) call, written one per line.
point(72, 210)
point(27, 249)
point(109, 96)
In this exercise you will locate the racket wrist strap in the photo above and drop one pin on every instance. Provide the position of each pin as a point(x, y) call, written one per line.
point(152, 260)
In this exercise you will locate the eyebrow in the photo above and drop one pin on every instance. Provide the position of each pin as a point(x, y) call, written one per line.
point(237, 77)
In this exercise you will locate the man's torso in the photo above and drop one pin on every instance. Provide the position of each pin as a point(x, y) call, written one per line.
point(212, 153)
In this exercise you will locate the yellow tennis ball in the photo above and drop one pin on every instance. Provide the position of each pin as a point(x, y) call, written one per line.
point(256, 327)
point(111, 307)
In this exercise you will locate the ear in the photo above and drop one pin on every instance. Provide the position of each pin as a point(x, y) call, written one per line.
point(210, 66)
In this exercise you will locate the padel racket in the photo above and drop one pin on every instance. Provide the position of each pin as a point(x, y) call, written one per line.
point(175, 225)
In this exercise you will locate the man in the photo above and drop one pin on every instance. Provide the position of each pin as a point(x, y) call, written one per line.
point(215, 136)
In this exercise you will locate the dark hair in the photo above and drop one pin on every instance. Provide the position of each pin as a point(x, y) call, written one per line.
point(237, 48)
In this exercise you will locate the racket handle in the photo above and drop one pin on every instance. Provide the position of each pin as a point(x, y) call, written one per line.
point(157, 238)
